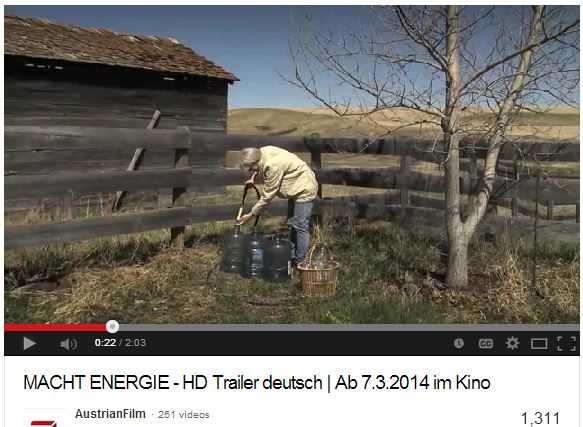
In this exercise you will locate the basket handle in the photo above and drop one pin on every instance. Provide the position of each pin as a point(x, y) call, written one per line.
point(311, 251)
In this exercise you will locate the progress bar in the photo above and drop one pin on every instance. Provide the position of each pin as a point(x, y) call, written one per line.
point(112, 326)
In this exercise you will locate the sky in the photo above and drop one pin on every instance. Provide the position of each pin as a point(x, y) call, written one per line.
point(249, 41)
point(252, 42)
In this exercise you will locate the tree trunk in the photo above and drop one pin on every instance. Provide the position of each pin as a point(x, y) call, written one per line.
point(457, 275)
point(460, 232)
point(477, 211)
point(457, 261)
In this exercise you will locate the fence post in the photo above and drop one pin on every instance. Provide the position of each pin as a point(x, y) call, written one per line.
point(179, 193)
point(473, 172)
point(577, 212)
point(316, 149)
point(315, 145)
point(404, 170)
point(516, 177)
point(68, 206)
point(550, 205)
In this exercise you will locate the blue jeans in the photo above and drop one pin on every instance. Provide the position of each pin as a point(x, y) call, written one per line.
point(298, 219)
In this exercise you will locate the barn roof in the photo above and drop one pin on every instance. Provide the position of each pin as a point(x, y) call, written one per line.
point(40, 38)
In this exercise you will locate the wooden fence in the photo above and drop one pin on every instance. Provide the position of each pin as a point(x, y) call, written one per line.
point(207, 147)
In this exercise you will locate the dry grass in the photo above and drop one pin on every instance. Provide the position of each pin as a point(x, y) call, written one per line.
point(140, 279)
point(390, 274)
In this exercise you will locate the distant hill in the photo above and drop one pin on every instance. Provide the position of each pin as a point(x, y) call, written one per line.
point(560, 123)
point(276, 121)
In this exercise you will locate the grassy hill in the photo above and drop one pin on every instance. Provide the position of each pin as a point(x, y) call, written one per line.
point(560, 123)
point(276, 121)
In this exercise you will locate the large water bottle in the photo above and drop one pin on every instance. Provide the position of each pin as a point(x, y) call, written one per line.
point(253, 256)
point(277, 260)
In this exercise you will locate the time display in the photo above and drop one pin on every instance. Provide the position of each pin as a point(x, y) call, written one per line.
point(120, 342)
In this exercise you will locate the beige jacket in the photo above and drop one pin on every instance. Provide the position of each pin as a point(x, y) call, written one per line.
point(285, 175)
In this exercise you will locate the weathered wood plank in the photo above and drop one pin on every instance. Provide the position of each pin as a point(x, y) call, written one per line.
point(219, 143)
point(203, 178)
point(21, 236)
point(382, 212)
point(170, 123)
point(23, 138)
point(560, 191)
point(316, 162)
point(70, 92)
point(136, 160)
point(15, 158)
point(360, 177)
point(51, 185)
point(550, 213)
point(179, 196)
point(107, 76)
point(35, 107)
point(563, 170)
point(405, 168)
point(51, 161)
point(34, 168)
point(439, 204)
point(427, 202)
point(550, 230)
point(415, 147)
point(93, 121)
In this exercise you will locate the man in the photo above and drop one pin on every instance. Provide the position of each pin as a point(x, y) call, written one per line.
point(285, 175)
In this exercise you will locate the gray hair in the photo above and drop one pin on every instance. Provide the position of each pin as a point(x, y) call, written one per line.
point(249, 156)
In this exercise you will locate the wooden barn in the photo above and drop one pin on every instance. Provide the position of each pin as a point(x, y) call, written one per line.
point(66, 75)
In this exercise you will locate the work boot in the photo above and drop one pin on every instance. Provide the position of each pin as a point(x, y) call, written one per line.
point(294, 270)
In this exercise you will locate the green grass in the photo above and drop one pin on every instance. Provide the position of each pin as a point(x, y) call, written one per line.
point(141, 279)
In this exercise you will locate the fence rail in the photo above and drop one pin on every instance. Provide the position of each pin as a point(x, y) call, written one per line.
point(561, 191)
point(188, 146)
point(28, 138)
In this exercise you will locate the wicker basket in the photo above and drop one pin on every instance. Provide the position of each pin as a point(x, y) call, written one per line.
point(316, 283)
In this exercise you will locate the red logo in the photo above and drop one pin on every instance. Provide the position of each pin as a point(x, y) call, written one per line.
point(44, 423)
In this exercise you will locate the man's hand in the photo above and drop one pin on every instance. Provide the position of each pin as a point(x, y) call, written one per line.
point(251, 181)
point(245, 218)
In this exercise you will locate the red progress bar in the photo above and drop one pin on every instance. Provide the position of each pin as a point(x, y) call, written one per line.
point(55, 327)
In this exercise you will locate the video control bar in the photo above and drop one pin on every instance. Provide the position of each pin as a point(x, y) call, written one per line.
point(293, 343)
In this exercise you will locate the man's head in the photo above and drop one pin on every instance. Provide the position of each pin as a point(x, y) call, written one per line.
point(249, 159)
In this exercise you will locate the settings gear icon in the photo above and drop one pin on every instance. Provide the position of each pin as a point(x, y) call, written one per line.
point(512, 343)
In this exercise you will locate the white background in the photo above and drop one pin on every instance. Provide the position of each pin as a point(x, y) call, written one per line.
point(518, 384)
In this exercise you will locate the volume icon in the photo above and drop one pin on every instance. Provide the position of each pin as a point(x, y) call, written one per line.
point(69, 344)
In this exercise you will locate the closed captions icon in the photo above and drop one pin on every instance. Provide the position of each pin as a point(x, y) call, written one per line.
point(486, 343)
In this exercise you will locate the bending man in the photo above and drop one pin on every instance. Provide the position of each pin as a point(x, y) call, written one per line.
point(285, 175)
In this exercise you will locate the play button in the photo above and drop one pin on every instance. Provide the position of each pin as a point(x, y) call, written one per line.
point(27, 343)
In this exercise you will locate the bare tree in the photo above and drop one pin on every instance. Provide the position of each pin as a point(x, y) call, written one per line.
point(443, 65)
